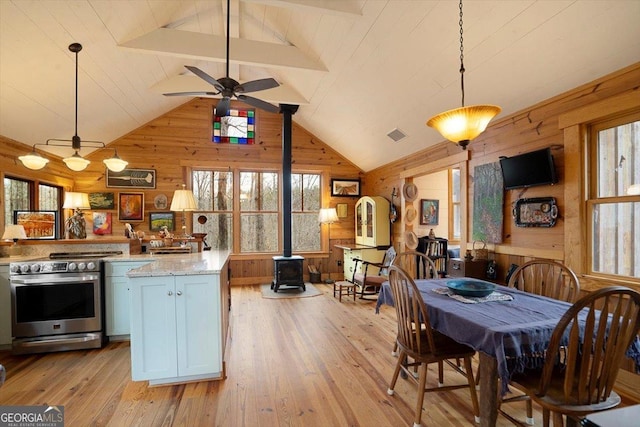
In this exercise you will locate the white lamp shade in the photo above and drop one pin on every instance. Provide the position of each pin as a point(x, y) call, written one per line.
point(183, 200)
point(33, 161)
point(76, 162)
point(14, 232)
point(73, 200)
point(328, 216)
point(115, 163)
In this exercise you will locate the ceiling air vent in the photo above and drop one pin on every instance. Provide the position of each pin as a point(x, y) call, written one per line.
point(396, 135)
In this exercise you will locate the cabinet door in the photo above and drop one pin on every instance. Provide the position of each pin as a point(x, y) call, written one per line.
point(117, 296)
point(153, 328)
point(359, 222)
point(349, 263)
point(5, 306)
point(198, 324)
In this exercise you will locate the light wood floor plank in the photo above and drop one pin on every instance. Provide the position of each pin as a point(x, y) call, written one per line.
point(290, 362)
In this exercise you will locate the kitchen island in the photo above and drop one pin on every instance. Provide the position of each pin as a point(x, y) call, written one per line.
point(179, 317)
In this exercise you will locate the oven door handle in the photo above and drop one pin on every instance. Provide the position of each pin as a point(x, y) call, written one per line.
point(54, 280)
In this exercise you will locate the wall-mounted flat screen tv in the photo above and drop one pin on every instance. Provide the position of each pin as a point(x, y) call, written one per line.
point(528, 169)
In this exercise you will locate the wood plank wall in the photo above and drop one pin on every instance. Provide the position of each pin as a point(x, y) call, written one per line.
point(533, 128)
point(179, 140)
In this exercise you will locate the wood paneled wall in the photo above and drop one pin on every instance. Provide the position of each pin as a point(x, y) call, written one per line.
point(533, 128)
point(181, 139)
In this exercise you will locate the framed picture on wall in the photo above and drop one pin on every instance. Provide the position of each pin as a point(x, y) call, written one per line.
point(37, 224)
point(345, 187)
point(101, 223)
point(157, 220)
point(130, 206)
point(132, 178)
point(429, 211)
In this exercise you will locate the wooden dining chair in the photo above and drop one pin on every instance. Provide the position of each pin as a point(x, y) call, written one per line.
point(584, 355)
point(368, 282)
point(547, 278)
point(423, 344)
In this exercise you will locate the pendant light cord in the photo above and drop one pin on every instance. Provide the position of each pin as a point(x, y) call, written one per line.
point(228, 32)
point(461, 56)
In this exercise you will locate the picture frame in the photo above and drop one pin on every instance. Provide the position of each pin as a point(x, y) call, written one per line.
point(132, 178)
point(38, 225)
point(101, 201)
point(131, 207)
point(345, 187)
point(341, 210)
point(158, 220)
point(429, 211)
point(102, 223)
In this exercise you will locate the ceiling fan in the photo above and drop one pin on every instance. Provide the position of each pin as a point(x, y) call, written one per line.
point(228, 87)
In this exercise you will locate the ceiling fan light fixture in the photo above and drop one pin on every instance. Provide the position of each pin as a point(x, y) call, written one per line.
point(76, 162)
point(462, 125)
point(115, 163)
point(33, 160)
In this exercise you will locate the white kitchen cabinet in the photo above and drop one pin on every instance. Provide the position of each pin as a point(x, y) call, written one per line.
point(117, 294)
point(373, 227)
point(178, 327)
point(5, 307)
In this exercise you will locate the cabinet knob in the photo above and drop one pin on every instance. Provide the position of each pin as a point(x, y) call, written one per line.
point(170, 293)
point(179, 293)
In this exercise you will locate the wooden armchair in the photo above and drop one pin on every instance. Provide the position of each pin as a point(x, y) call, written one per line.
point(577, 377)
point(368, 282)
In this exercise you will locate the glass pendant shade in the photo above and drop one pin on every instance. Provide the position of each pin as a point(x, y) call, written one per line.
point(115, 163)
point(33, 160)
point(465, 123)
point(76, 162)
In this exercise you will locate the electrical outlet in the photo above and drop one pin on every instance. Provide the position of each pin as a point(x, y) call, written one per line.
point(339, 262)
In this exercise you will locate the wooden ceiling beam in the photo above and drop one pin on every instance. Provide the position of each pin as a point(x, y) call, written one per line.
point(207, 47)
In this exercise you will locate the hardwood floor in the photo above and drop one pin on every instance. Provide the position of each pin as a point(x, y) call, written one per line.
point(290, 362)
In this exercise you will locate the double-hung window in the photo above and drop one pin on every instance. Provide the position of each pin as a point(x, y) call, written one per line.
point(613, 203)
point(213, 191)
point(26, 195)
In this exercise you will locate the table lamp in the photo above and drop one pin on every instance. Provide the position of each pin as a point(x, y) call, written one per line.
point(183, 200)
point(76, 225)
point(14, 232)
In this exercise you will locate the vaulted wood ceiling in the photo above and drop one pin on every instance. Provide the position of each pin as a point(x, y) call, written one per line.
point(358, 68)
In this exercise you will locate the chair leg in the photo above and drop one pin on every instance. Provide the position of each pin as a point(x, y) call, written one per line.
point(394, 352)
point(529, 420)
point(396, 372)
point(440, 373)
point(545, 417)
point(422, 382)
point(472, 389)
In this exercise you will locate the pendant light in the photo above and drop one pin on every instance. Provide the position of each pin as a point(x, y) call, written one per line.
point(463, 124)
point(74, 162)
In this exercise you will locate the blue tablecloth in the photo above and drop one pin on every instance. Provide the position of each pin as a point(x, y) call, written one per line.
point(514, 332)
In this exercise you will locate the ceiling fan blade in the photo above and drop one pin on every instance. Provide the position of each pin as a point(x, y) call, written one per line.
point(256, 85)
point(222, 109)
point(258, 103)
point(204, 76)
point(191, 93)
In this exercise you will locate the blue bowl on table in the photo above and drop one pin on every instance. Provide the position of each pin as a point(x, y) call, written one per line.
point(471, 287)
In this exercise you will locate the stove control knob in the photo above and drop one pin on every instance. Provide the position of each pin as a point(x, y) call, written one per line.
point(24, 268)
point(14, 268)
point(82, 266)
point(91, 265)
point(72, 266)
point(35, 267)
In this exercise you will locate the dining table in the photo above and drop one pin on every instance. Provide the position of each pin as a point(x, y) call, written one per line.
point(510, 330)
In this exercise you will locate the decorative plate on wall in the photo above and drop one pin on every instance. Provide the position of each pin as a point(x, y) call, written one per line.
point(160, 201)
point(411, 214)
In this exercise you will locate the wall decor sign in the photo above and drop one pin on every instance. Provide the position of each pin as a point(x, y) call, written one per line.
point(536, 212)
point(132, 178)
point(345, 187)
point(130, 206)
point(237, 127)
point(160, 201)
point(429, 211)
point(158, 220)
point(38, 224)
point(341, 210)
point(101, 201)
point(101, 223)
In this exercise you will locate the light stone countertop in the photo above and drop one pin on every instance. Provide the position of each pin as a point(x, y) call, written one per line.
point(207, 262)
